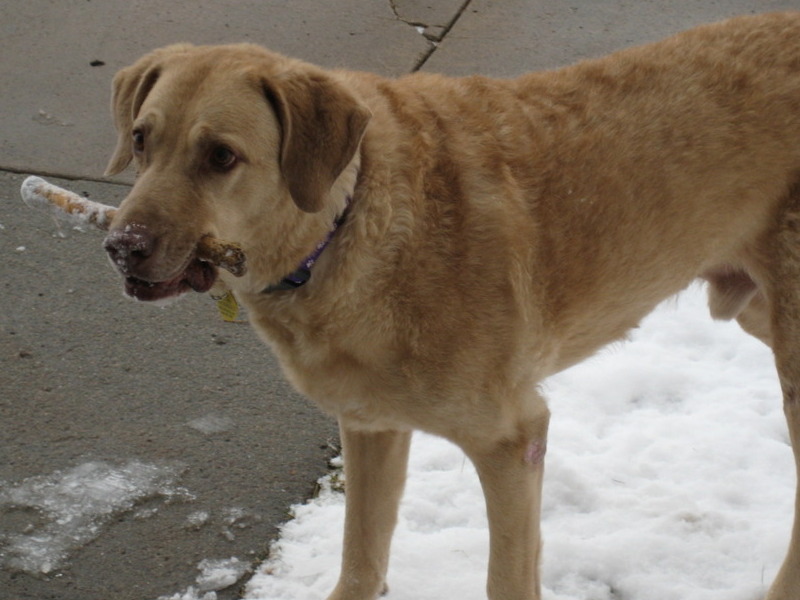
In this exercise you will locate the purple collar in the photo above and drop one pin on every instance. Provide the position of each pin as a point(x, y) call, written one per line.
point(302, 273)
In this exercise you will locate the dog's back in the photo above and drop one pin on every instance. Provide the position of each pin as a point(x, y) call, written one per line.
point(597, 190)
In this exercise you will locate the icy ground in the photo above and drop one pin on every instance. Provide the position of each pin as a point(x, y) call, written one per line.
point(54, 516)
point(669, 477)
point(64, 511)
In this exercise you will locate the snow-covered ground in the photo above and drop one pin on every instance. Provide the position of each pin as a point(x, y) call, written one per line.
point(669, 477)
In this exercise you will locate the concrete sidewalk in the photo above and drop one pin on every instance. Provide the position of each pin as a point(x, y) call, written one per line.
point(87, 376)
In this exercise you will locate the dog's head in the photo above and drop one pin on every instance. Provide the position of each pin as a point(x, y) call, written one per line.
point(232, 141)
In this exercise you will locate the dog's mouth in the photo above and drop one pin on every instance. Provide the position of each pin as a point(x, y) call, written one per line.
point(198, 276)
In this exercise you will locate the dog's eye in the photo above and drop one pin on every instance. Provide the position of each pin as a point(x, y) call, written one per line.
point(138, 140)
point(223, 158)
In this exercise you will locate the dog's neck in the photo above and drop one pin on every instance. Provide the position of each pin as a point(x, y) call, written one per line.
point(302, 273)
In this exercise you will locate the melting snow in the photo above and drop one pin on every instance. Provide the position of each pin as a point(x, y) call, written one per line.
point(211, 423)
point(219, 574)
point(216, 574)
point(63, 511)
point(197, 519)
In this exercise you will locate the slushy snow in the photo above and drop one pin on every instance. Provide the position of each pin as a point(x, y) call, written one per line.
point(59, 513)
point(66, 510)
point(216, 574)
point(669, 476)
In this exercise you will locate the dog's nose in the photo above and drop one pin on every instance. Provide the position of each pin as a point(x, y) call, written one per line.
point(129, 247)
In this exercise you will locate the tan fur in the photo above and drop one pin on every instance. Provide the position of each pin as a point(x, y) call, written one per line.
point(499, 231)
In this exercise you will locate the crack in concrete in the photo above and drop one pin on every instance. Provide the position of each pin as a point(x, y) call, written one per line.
point(397, 16)
point(434, 34)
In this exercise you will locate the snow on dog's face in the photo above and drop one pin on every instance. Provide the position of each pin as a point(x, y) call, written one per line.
point(232, 141)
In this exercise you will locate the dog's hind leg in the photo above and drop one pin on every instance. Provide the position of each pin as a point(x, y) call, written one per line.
point(375, 466)
point(785, 338)
point(511, 470)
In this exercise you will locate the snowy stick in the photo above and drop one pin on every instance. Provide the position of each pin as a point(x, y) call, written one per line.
point(69, 206)
point(65, 205)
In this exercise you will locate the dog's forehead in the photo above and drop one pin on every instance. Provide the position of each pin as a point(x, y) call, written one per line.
point(205, 69)
point(225, 62)
point(223, 76)
point(209, 96)
point(212, 83)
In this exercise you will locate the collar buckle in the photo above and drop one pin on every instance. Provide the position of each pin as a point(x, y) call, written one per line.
point(292, 281)
point(302, 273)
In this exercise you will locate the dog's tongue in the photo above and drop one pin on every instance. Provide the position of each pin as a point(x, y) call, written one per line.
point(198, 276)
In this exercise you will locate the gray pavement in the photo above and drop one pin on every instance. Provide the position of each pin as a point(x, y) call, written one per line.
point(86, 375)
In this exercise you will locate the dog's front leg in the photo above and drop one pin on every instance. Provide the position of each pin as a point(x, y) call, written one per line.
point(511, 473)
point(785, 337)
point(375, 472)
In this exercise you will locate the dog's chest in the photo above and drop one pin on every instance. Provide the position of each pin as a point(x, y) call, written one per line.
point(347, 374)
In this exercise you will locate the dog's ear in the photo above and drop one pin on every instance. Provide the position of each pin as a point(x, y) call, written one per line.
point(322, 125)
point(129, 90)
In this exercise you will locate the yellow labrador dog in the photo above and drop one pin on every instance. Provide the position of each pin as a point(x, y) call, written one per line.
point(424, 251)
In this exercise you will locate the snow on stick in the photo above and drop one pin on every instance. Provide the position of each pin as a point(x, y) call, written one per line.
point(65, 205)
point(226, 255)
point(69, 206)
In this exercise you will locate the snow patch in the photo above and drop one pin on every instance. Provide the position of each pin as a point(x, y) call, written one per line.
point(221, 573)
point(197, 519)
point(45, 519)
point(236, 519)
point(211, 423)
point(215, 574)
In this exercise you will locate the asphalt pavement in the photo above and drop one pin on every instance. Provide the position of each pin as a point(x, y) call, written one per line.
point(87, 375)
